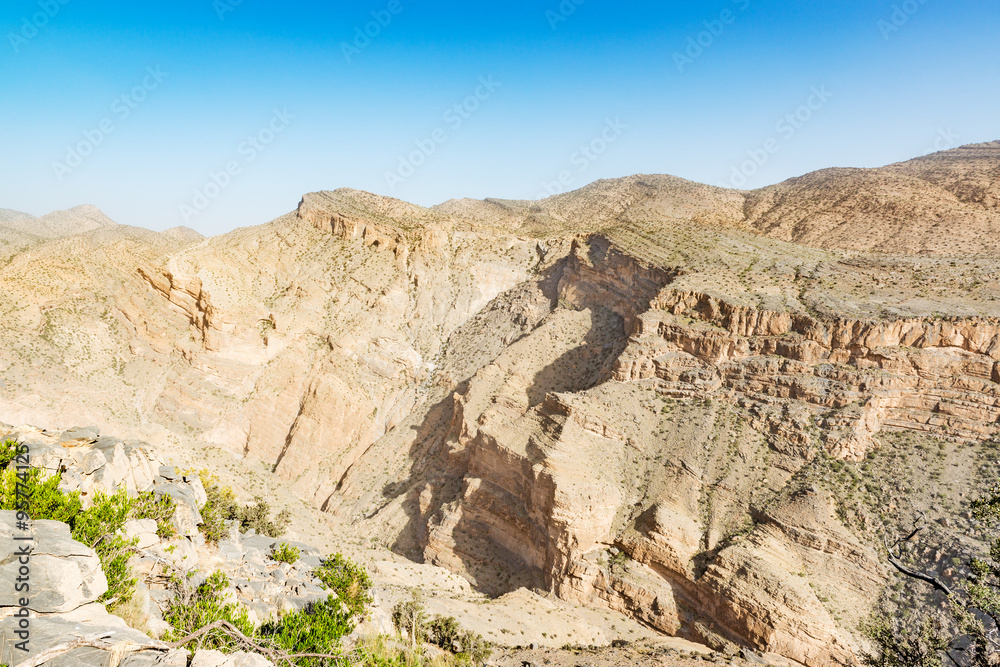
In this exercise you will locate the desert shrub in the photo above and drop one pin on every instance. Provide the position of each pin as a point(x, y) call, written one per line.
point(898, 646)
point(316, 629)
point(97, 527)
point(43, 497)
point(442, 631)
point(221, 507)
point(8, 451)
point(161, 510)
point(409, 616)
point(284, 553)
point(446, 633)
point(348, 580)
point(258, 517)
point(192, 609)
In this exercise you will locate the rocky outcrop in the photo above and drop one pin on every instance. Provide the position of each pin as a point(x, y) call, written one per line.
point(189, 297)
point(66, 578)
point(316, 210)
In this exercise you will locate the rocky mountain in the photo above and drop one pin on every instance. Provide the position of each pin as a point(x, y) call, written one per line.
point(701, 408)
point(76, 220)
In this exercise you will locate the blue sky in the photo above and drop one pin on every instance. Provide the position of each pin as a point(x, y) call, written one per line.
point(218, 114)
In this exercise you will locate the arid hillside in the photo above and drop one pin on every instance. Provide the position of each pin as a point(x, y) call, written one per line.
point(701, 408)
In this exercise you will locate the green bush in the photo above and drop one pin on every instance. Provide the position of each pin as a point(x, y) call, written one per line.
point(44, 499)
point(258, 517)
point(409, 616)
point(442, 631)
point(193, 609)
point(283, 553)
point(221, 507)
point(348, 580)
point(8, 452)
point(316, 629)
point(446, 633)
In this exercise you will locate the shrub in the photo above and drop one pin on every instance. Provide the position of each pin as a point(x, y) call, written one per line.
point(194, 609)
point(258, 517)
point(221, 507)
point(97, 527)
point(446, 633)
point(348, 580)
point(443, 631)
point(283, 553)
point(44, 498)
point(8, 452)
point(410, 616)
point(316, 629)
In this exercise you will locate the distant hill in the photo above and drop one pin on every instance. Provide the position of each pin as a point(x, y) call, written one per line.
point(943, 204)
point(57, 224)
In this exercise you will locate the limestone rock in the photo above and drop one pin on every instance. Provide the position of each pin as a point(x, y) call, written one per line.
point(63, 573)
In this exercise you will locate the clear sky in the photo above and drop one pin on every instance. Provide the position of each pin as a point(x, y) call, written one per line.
point(219, 114)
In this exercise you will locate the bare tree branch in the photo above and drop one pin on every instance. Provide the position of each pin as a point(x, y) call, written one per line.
point(915, 574)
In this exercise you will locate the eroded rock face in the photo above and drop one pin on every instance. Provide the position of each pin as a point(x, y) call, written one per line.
point(855, 377)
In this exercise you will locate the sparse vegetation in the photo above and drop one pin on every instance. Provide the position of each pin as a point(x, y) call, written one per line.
point(98, 527)
point(194, 608)
point(284, 553)
point(442, 631)
point(221, 506)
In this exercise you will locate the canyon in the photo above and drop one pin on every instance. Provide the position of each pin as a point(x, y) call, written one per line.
point(696, 407)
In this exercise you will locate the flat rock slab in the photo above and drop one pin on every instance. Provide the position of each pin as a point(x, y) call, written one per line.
point(81, 433)
point(47, 631)
point(63, 574)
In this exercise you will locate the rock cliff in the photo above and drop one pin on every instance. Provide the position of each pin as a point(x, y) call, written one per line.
point(681, 403)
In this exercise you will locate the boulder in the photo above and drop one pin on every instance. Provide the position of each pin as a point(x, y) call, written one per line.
point(116, 472)
point(200, 496)
point(63, 573)
point(91, 461)
point(179, 552)
point(261, 544)
point(187, 519)
point(81, 434)
point(144, 529)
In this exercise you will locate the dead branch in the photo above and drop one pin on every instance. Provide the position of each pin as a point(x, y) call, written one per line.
point(915, 574)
